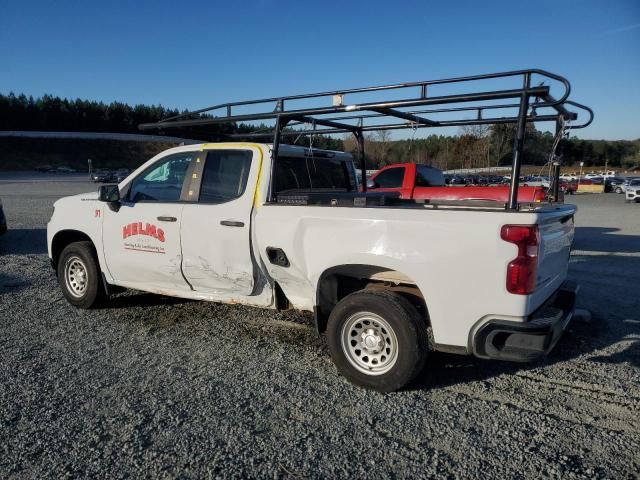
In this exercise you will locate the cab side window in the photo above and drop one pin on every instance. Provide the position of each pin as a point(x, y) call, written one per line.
point(163, 181)
point(391, 178)
point(225, 175)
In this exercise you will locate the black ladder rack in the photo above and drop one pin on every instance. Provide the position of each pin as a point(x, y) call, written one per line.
point(350, 111)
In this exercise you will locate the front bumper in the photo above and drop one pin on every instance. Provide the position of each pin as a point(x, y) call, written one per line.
point(529, 340)
point(632, 196)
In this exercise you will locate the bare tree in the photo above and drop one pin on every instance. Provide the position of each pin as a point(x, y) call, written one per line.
point(382, 141)
point(350, 143)
point(476, 145)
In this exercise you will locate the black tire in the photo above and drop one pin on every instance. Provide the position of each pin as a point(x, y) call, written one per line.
point(408, 330)
point(84, 289)
point(618, 190)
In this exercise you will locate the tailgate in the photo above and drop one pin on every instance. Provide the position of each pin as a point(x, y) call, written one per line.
point(556, 236)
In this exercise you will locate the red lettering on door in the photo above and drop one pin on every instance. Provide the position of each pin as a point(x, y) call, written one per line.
point(137, 228)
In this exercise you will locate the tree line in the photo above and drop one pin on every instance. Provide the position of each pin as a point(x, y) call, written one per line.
point(473, 147)
point(491, 146)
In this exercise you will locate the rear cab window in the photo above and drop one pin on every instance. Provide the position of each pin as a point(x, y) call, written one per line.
point(315, 174)
point(429, 177)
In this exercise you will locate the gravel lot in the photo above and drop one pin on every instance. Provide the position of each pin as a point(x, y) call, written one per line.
point(159, 387)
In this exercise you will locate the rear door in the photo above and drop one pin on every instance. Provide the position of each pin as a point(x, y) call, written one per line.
point(216, 228)
point(141, 240)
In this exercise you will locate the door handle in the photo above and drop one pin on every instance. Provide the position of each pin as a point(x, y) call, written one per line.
point(168, 219)
point(231, 223)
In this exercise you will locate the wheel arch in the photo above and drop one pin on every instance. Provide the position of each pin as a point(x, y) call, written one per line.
point(66, 237)
point(338, 281)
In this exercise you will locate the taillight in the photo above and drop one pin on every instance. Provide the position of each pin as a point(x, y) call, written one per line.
point(539, 195)
point(522, 270)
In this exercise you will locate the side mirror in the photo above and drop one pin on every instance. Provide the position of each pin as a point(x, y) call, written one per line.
point(110, 194)
point(371, 184)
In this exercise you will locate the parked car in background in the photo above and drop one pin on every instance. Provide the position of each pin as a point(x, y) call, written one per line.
point(3, 220)
point(457, 180)
point(536, 181)
point(101, 176)
point(496, 180)
point(120, 174)
point(591, 175)
point(568, 187)
point(627, 181)
point(614, 184)
point(632, 191)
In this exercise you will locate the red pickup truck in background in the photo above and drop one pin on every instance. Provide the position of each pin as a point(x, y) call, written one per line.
point(415, 181)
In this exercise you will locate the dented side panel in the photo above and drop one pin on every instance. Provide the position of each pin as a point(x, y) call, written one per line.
point(216, 237)
point(455, 258)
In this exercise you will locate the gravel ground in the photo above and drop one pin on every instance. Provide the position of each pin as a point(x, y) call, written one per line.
point(158, 387)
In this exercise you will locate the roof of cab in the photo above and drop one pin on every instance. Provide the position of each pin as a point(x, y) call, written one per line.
point(285, 150)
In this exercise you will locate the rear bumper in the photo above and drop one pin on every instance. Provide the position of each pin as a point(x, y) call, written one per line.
point(529, 340)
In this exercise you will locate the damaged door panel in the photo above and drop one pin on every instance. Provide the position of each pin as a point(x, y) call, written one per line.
point(216, 241)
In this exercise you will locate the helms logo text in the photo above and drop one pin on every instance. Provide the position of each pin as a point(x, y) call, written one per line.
point(139, 228)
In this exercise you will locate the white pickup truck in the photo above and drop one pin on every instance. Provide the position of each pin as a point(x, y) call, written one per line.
point(388, 280)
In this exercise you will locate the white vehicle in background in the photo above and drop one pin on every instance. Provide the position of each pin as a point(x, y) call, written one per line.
point(591, 175)
point(632, 190)
point(568, 177)
point(536, 181)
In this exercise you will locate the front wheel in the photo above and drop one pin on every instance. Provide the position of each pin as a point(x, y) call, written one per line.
point(618, 190)
point(79, 275)
point(377, 340)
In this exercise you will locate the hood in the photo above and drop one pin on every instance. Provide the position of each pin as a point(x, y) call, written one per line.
point(89, 196)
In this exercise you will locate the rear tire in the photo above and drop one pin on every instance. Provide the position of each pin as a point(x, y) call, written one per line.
point(618, 190)
point(79, 275)
point(377, 340)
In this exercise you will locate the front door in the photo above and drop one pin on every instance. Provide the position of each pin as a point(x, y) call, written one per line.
point(216, 231)
point(142, 239)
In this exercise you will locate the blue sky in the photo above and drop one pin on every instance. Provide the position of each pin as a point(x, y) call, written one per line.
point(192, 54)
